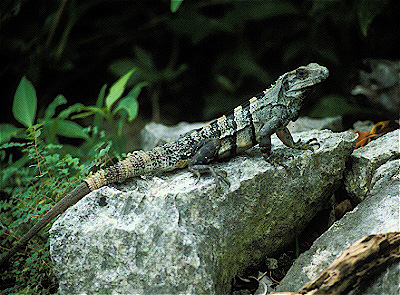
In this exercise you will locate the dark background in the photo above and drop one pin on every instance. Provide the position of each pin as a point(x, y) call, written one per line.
point(201, 61)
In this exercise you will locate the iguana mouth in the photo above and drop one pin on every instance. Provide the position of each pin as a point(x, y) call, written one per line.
point(250, 123)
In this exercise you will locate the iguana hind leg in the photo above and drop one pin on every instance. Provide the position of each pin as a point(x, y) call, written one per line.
point(207, 152)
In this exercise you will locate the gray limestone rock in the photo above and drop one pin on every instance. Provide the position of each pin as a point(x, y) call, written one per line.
point(155, 134)
point(378, 213)
point(306, 123)
point(365, 160)
point(164, 234)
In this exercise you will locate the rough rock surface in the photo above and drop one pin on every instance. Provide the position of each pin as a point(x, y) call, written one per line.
point(165, 234)
point(154, 134)
point(377, 213)
point(365, 160)
point(306, 123)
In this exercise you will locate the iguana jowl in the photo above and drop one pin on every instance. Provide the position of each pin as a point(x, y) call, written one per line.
point(249, 124)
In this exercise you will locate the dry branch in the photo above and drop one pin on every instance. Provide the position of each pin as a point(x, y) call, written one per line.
point(358, 262)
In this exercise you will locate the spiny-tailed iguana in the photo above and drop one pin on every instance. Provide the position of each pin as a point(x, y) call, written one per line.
point(249, 124)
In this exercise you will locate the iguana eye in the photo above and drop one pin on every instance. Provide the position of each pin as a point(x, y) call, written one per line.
point(302, 73)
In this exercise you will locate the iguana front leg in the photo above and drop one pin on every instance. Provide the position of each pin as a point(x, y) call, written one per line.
point(285, 136)
point(265, 133)
point(207, 149)
point(273, 126)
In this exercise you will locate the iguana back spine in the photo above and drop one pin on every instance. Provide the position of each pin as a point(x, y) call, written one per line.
point(249, 124)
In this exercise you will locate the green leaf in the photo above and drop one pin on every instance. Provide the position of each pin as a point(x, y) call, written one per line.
point(226, 83)
point(121, 66)
point(71, 129)
point(90, 111)
point(175, 5)
point(7, 131)
point(71, 109)
point(99, 103)
point(117, 89)
point(51, 109)
point(25, 101)
point(130, 103)
point(144, 57)
point(367, 11)
point(100, 98)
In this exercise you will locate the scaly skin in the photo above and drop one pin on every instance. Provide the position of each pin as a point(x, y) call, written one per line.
point(249, 124)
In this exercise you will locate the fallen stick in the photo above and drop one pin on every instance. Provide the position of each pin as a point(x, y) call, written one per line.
point(362, 259)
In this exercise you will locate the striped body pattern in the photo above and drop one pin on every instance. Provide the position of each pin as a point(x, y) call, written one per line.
point(237, 131)
point(249, 124)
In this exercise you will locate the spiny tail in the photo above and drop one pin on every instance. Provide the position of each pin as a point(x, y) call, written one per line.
point(136, 163)
point(78, 193)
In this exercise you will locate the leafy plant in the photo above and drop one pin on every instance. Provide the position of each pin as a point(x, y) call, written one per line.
point(46, 170)
point(108, 107)
point(175, 5)
point(52, 125)
point(46, 178)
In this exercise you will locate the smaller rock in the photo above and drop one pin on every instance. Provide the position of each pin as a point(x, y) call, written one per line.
point(363, 126)
point(306, 123)
point(365, 160)
point(378, 213)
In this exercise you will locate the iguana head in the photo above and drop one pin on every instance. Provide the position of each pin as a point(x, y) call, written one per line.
point(298, 82)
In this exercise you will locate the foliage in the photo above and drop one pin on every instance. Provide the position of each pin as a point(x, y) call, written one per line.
point(30, 180)
point(175, 5)
point(197, 60)
point(35, 192)
point(25, 105)
point(191, 52)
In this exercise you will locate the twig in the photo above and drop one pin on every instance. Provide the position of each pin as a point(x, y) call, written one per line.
point(358, 262)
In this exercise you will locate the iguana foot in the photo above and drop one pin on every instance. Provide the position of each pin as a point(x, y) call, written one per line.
point(217, 174)
point(308, 145)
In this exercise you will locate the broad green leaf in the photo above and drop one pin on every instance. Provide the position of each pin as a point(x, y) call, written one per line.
point(170, 74)
point(71, 129)
point(117, 89)
point(130, 103)
point(25, 101)
point(71, 109)
point(90, 111)
point(121, 122)
point(175, 5)
point(7, 131)
point(100, 98)
point(121, 66)
point(144, 57)
point(226, 83)
point(98, 118)
point(51, 109)
point(367, 11)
